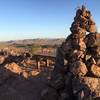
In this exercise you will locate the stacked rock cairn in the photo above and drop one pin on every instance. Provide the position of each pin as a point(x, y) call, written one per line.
point(76, 75)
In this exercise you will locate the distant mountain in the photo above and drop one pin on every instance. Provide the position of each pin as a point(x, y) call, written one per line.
point(35, 41)
point(47, 41)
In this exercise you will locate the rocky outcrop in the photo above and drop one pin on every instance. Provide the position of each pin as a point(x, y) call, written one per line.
point(79, 77)
point(16, 65)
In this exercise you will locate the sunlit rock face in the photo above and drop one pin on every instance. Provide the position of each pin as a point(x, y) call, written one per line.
point(79, 78)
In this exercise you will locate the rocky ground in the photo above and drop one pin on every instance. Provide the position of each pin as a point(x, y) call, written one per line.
point(19, 80)
point(19, 88)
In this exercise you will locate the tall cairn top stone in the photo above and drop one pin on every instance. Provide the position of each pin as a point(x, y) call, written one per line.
point(76, 75)
point(83, 21)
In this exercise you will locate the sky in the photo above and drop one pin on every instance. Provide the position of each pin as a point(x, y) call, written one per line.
point(29, 19)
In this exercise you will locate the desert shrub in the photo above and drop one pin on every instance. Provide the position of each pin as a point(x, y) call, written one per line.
point(35, 49)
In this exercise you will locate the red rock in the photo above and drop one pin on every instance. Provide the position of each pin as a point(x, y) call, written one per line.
point(95, 70)
point(13, 67)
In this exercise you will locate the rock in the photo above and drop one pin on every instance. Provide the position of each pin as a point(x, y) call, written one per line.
point(13, 67)
point(95, 70)
point(90, 39)
point(92, 27)
point(86, 87)
point(66, 47)
point(78, 68)
point(87, 57)
point(34, 73)
point(98, 62)
point(81, 95)
point(76, 75)
point(25, 74)
point(93, 61)
point(2, 59)
point(78, 54)
point(90, 61)
point(93, 84)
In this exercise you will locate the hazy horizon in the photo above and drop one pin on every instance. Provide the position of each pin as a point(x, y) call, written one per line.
point(29, 19)
point(31, 39)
